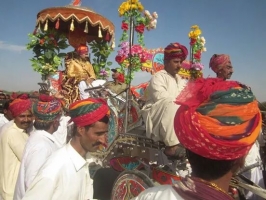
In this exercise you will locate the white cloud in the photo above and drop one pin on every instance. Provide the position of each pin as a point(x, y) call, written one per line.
point(11, 47)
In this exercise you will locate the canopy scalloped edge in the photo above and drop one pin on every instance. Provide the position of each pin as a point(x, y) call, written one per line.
point(74, 16)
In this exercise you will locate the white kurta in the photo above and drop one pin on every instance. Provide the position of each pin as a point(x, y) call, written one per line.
point(12, 143)
point(162, 192)
point(255, 174)
point(159, 110)
point(3, 120)
point(39, 147)
point(65, 175)
point(60, 135)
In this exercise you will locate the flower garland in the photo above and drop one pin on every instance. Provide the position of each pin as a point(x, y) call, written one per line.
point(196, 48)
point(101, 51)
point(132, 11)
point(46, 47)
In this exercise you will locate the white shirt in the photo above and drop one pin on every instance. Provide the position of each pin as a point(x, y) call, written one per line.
point(60, 135)
point(39, 147)
point(83, 85)
point(3, 120)
point(65, 175)
point(162, 192)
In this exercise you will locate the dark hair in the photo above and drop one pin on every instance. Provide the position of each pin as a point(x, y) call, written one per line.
point(208, 169)
point(6, 105)
point(42, 125)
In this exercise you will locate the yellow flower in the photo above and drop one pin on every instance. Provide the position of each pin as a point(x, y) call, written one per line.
point(134, 7)
point(133, 1)
point(197, 32)
point(195, 27)
point(192, 35)
point(140, 7)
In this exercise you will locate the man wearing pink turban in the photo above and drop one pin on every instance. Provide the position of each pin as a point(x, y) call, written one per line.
point(12, 142)
point(221, 65)
point(159, 110)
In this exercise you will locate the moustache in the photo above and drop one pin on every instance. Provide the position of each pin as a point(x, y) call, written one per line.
point(25, 122)
point(99, 144)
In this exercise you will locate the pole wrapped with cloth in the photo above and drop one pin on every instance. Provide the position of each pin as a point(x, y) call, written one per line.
point(217, 119)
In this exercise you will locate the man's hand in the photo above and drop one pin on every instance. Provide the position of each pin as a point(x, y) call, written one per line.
point(89, 80)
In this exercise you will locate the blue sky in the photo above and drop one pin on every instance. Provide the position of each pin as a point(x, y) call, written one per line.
point(237, 28)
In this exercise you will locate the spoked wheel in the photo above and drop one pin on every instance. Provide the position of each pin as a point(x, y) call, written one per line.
point(130, 184)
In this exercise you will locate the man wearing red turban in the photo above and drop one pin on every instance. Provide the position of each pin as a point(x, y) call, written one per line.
point(41, 143)
point(12, 142)
point(217, 122)
point(65, 175)
point(159, 110)
point(79, 75)
point(221, 65)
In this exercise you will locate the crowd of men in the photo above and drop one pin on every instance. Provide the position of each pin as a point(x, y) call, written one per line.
point(214, 121)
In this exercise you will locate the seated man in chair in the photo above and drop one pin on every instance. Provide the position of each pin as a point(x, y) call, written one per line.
point(79, 75)
point(159, 110)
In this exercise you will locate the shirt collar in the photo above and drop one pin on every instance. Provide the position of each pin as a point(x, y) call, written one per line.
point(19, 129)
point(46, 134)
point(77, 160)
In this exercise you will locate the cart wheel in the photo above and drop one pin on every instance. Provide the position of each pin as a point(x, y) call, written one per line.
point(130, 184)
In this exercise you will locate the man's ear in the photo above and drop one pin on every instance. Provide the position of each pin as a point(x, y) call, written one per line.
point(81, 130)
point(239, 163)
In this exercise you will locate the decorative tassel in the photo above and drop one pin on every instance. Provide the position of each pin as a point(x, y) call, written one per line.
point(72, 25)
point(113, 44)
point(86, 30)
point(39, 27)
point(46, 26)
point(57, 24)
point(107, 37)
point(100, 32)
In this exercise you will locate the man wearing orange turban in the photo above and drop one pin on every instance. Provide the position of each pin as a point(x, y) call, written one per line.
point(221, 65)
point(217, 122)
point(159, 110)
point(12, 142)
point(78, 76)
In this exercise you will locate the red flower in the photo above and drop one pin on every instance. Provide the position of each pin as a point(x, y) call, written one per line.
point(120, 59)
point(140, 28)
point(42, 41)
point(124, 26)
point(193, 41)
point(197, 55)
point(121, 78)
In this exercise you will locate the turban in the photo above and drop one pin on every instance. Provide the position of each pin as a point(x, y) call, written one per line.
point(46, 109)
point(217, 62)
point(217, 119)
point(82, 49)
point(88, 111)
point(175, 50)
point(20, 105)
